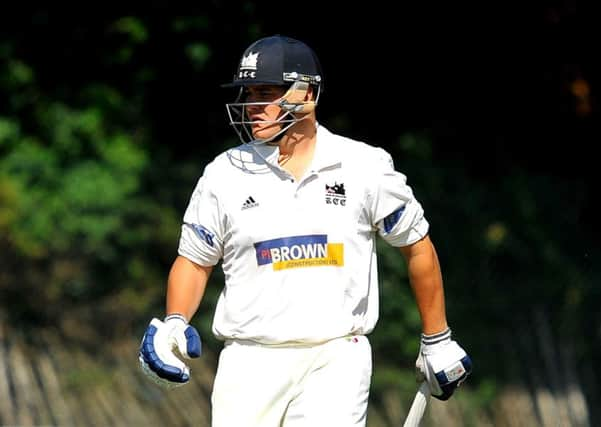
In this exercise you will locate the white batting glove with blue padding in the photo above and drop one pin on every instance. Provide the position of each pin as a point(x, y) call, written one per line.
point(442, 363)
point(156, 354)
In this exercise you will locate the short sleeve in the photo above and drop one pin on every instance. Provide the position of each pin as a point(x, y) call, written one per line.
point(395, 212)
point(201, 238)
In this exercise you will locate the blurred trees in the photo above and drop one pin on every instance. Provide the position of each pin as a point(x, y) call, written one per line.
point(79, 222)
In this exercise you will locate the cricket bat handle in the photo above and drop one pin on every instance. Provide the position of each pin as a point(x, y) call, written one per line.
point(416, 412)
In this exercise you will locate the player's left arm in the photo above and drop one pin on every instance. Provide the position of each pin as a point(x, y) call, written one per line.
point(425, 278)
point(441, 361)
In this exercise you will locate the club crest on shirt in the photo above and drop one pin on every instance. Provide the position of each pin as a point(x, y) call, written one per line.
point(336, 194)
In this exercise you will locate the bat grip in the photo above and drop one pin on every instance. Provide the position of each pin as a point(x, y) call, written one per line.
point(416, 412)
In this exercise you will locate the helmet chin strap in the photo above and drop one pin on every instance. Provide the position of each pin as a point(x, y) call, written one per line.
point(293, 100)
point(275, 139)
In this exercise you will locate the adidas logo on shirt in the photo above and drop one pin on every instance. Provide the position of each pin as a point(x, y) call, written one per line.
point(249, 203)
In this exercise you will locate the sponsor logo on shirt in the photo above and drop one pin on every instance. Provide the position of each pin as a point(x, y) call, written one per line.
point(336, 194)
point(300, 251)
point(203, 233)
point(391, 220)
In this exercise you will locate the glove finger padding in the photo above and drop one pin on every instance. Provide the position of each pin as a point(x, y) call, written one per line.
point(443, 364)
point(156, 351)
point(188, 342)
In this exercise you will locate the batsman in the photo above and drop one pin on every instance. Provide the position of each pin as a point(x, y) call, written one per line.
point(292, 215)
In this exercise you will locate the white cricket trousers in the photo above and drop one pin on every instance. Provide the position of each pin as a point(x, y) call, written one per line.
point(324, 385)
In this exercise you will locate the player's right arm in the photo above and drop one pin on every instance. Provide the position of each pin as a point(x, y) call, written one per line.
point(200, 248)
point(186, 286)
point(185, 289)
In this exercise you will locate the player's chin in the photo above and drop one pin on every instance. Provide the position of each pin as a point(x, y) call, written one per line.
point(265, 132)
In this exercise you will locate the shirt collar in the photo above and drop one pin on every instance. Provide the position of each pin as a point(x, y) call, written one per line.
point(269, 153)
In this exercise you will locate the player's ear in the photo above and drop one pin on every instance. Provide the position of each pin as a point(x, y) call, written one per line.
point(310, 95)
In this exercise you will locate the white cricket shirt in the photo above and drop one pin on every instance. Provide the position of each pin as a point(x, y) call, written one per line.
point(299, 257)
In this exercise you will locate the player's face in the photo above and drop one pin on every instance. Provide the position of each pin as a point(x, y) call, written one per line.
point(265, 115)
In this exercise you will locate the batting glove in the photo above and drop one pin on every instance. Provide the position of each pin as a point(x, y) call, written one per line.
point(442, 363)
point(156, 351)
